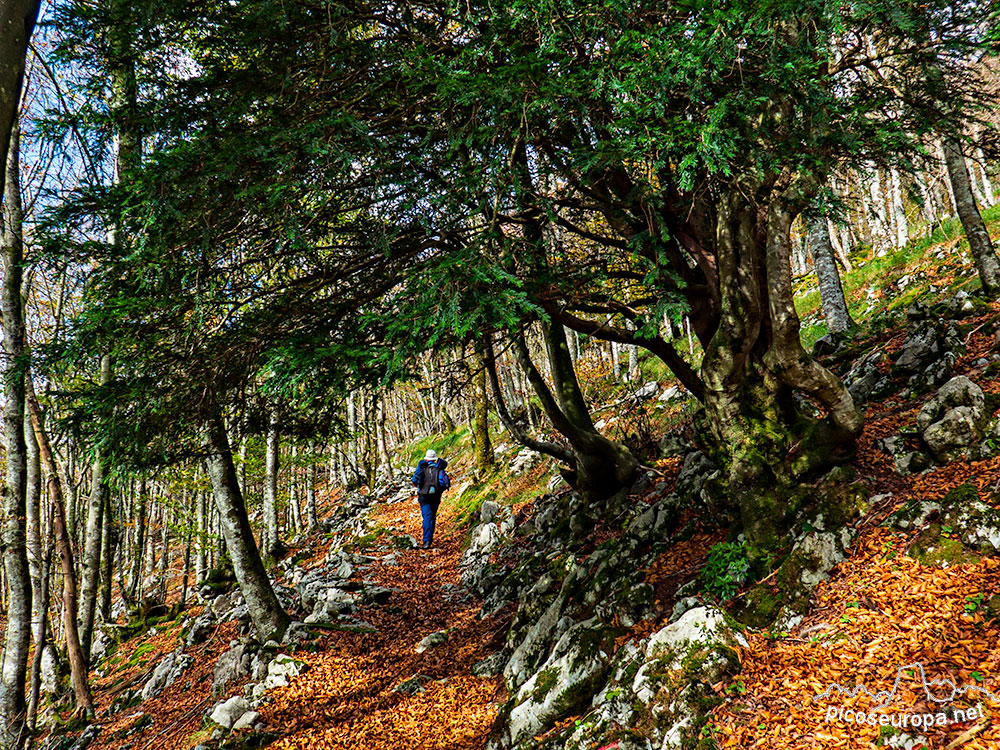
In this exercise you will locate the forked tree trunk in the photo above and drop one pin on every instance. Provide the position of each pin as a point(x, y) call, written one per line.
point(601, 467)
point(968, 212)
point(753, 363)
point(77, 661)
point(266, 612)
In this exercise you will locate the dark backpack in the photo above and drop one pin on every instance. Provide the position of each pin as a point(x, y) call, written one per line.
point(431, 482)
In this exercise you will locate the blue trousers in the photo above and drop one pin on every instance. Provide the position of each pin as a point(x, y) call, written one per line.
point(428, 512)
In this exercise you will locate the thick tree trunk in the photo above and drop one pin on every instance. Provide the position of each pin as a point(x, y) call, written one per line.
point(838, 317)
point(14, 529)
point(972, 221)
point(92, 537)
point(266, 612)
point(272, 542)
point(77, 661)
point(752, 365)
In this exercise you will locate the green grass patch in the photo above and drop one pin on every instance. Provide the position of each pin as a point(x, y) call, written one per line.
point(441, 443)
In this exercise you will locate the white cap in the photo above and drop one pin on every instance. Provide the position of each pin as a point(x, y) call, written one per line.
point(431, 456)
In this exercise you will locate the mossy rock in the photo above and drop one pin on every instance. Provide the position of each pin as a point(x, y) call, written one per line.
point(931, 548)
point(759, 606)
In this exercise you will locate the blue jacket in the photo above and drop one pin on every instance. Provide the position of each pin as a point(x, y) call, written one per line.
point(418, 475)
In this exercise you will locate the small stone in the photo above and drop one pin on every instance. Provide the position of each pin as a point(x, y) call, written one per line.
point(246, 721)
point(432, 640)
point(412, 686)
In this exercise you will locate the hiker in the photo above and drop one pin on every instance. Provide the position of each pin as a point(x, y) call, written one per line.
point(431, 481)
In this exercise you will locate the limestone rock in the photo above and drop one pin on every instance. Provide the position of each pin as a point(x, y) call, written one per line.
point(246, 721)
point(525, 461)
point(166, 673)
point(566, 681)
point(228, 712)
point(229, 667)
point(950, 422)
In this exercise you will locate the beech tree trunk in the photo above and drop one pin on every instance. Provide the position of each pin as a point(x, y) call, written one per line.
point(266, 612)
point(92, 537)
point(968, 212)
point(838, 317)
point(109, 545)
point(272, 541)
point(14, 525)
point(41, 639)
point(312, 520)
point(480, 421)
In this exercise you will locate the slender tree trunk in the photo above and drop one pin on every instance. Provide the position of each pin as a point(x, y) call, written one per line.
point(34, 518)
point(972, 221)
point(92, 537)
point(109, 545)
point(164, 542)
point(898, 212)
point(988, 196)
point(838, 317)
point(14, 523)
point(155, 513)
point(202, 534)
point(311, 518)
point(294, 511)
point(188, 544)
point(272, 542)
point(138, 540)
point(480, 424)
point(266, 612)
point(41, 628)
point(928, 205)
point(77, 661)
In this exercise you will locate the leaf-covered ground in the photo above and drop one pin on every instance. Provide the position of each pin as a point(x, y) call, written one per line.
point(346, 697)
point(881, 610)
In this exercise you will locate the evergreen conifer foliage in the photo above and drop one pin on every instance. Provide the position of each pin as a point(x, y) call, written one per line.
point(324, 181)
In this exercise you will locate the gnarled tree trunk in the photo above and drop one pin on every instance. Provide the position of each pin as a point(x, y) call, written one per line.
point(755, 361)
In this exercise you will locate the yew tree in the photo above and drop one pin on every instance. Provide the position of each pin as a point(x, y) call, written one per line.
point(626, 160)
point(317, 170)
